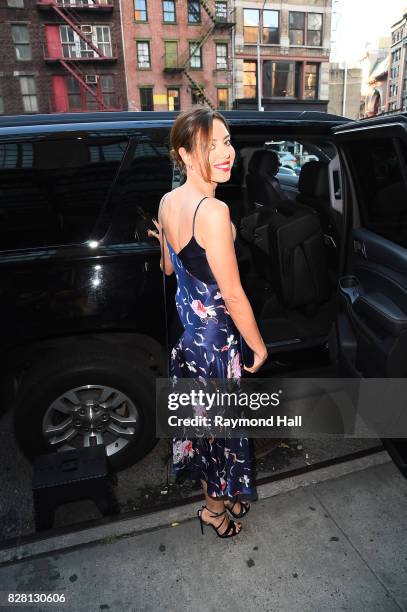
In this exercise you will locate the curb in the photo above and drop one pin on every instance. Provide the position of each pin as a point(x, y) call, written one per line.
point(132, 526)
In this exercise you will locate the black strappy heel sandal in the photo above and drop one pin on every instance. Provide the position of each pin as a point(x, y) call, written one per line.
point(229, 532)
point(245, 507)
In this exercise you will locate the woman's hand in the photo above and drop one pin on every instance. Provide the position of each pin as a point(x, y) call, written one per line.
point(156, 234)
point(259, 360)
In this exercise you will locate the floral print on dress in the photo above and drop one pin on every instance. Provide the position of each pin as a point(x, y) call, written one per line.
point(208, 348)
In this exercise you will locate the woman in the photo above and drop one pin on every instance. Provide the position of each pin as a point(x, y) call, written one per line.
point(198, 245)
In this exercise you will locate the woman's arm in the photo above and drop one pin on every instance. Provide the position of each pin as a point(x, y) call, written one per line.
point(214, 231)
point(169, 269)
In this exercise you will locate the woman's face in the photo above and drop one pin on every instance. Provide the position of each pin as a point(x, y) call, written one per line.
point(221, 153)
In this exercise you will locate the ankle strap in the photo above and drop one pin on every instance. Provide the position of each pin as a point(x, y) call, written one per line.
point(214, 513)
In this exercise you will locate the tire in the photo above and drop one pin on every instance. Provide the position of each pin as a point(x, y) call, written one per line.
point(106, 373)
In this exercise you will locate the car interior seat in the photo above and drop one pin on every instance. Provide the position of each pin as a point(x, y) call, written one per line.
point(313, 186)
point(289, 238)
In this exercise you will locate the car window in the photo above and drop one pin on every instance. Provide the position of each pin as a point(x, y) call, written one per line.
point(382, 194)
point(294, 154)
point(140, 187)
point(52, 190)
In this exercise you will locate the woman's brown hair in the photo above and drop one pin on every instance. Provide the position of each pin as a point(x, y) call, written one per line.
point(191, 126)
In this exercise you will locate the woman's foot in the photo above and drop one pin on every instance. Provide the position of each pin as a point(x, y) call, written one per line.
point(236, 506)
point(208, 517)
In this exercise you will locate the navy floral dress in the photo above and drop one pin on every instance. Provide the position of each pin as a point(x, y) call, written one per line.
point(207, 348)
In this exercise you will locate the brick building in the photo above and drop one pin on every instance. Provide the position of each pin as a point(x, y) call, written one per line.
point(177, 53)
point(295, 42)
point(60, 56)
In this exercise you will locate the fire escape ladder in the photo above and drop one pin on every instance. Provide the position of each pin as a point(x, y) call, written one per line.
point(69, 16)
point(199, 88)
point(207, 9)
point(79, 76)
point(201, 41)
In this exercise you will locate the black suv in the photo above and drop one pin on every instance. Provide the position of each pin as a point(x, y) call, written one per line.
point(84, 335)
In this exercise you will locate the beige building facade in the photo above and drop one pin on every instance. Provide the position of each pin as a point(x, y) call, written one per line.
point(397, 76)
point(295, 42)
point(345, 84)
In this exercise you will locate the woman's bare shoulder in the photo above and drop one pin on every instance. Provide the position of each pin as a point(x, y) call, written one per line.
point(216, 209)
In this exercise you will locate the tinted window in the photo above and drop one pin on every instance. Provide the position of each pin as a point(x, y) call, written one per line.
point(382, 193)
point(140, 188)
point(51, 191)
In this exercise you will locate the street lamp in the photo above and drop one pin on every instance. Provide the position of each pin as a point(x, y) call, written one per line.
point(259, 87)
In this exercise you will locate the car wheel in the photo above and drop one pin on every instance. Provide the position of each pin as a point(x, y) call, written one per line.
point(88, 398)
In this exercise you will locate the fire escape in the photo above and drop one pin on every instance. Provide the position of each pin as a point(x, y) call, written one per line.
point(217, 23)
point(68, 10)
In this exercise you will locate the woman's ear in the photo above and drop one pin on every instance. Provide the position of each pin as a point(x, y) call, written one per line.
point(185, 156)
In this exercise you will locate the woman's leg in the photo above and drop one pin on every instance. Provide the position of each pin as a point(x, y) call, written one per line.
point(216, 505)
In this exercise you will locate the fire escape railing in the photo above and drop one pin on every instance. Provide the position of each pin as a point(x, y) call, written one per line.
point(72, 19)
point(182, 66)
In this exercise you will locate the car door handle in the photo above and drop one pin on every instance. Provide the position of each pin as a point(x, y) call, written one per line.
point(360, 248)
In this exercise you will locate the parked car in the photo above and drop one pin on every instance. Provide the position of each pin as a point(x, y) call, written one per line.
point(284, 171)
point(84, 332)
point(288, 160)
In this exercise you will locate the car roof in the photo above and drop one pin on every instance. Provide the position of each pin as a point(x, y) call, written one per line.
point(10, 124)
point(371, 121)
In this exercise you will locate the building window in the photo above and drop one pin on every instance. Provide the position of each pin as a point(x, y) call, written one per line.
point(29, 94)
point(107, 89)
point(140, 10)
point(169, 11)
point(267, 21)
point(73, 46)
point(300, 23)
point(250, 25)
point(146, 98)
point(271, 27)
point(171, 53)
point(15, 3)
point(296, 28)
point(249, 79)
point(311, 81)
point(143, 55)
point(21, 40)
point(196, 97)
point(173, 99)
point(221, 11)
point(314, 29)
point(101, 38)
point(280, 79)
point(223, 98)
point(73, 90)
point(195, 53)
point(221, 56)
point(80, 98)
point(194, 11)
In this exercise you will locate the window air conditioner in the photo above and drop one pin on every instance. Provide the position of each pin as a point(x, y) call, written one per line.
point(91, 79)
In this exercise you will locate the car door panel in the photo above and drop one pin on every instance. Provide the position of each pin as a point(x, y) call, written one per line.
point(374, 302)
point(372, 319)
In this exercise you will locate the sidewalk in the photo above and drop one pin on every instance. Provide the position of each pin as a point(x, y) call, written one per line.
point(333, 541)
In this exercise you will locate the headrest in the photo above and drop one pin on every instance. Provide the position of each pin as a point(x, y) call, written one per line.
point(263, 162)
point(313, 179)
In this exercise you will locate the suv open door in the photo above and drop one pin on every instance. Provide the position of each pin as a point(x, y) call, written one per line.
point(371, 327)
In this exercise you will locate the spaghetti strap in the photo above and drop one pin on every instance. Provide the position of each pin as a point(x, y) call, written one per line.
point(196, 210)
